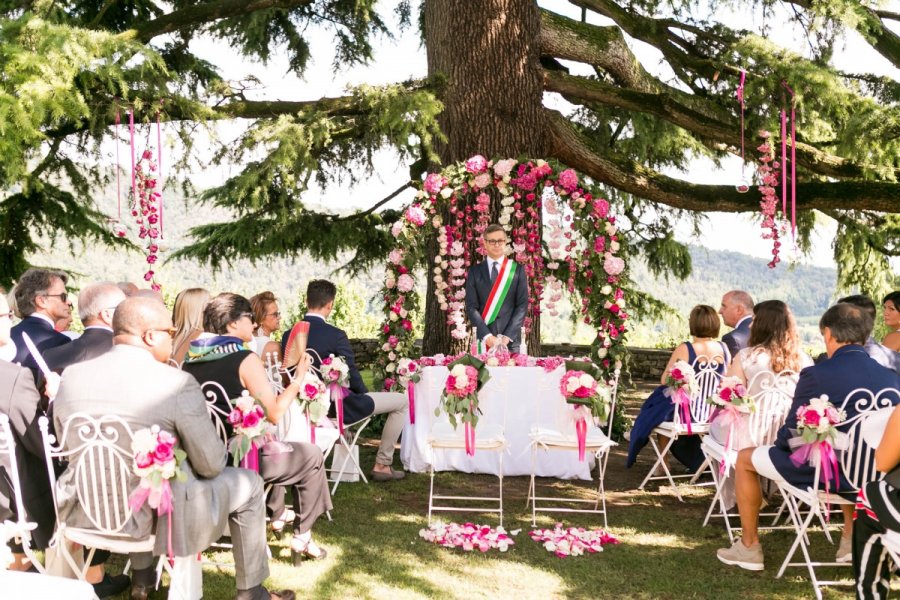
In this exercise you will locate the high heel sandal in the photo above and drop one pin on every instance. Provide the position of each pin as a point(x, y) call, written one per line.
point(278, 524)
point(306, 550)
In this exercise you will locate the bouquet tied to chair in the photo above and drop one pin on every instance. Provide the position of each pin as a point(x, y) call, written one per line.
point(583, 386)
point(816, 439)
point(681, 386)
point(459, 399)
point(734, 403)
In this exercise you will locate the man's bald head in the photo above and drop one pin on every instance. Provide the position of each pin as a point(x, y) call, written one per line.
point(135, 316)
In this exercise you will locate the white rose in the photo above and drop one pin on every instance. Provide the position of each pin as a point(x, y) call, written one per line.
point(462, 381)
point(602, 352)
point(446, 192)
point(392, 356)
point(393, 316)
point(493, 361)
point(143, 441)
point(386, 347)
point(586, 380)
point(403, 312)
point(390, 368)
point(458, 370)
point(610, 229)
point(621, 302)
point(606, 290)
point(572, 384)
point(614, 247)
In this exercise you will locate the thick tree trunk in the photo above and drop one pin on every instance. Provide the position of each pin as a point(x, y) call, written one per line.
point(487, 52)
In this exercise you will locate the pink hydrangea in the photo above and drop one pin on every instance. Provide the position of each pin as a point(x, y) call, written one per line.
point(568, 179)
point(405, 283)
point(433, 183)
point(482, 180)
point(613, 265)
point(476, 164)
point(504, 167)
point(415, 215)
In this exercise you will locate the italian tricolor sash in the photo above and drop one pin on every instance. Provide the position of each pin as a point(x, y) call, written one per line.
point(499, 291)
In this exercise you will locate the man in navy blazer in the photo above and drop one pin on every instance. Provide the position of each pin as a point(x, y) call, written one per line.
point(41, 299)
point(97, 303)
point(326, 339)
point(506, 326)
point(737, 312)
point(845, 328)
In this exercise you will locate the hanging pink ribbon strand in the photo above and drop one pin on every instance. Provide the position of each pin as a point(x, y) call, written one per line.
point(783, 161)
point(793, 162)
point(134, 194)
point(159, 169)
point(118, 174)
point(744, 185)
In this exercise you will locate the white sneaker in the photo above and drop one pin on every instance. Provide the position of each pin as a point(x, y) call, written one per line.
point(741, 556)
point(845, 550)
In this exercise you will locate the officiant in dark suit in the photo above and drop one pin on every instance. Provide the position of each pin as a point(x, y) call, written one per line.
point(41, 299)
point(97, 303)
point(497, 293)
point(737, 312)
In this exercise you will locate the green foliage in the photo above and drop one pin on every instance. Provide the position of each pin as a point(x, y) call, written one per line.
point(351, 310)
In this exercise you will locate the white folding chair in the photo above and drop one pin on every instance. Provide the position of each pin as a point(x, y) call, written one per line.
point(857, 463)
point(98, 452)
point(489, 437)
point(707, 376)
point(347, 442)
point(563, 437)
point(22, 528)
point(213, 391)
point(773, 401)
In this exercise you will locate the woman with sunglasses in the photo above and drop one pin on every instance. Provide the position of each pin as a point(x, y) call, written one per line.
point(222, 355)
point(268, 320)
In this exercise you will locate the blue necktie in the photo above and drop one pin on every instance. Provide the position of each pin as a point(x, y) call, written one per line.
point(494, 272)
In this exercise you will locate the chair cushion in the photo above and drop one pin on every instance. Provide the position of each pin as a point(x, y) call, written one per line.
point(668, 428)
point(713, 449)
point(487, 436)
point(596, 439)
point(118, 545)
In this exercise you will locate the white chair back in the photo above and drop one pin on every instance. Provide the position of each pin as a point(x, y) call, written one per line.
point(8, 447)
point(214, 391)
point(98, 452)
point(774, 396)
point(857, 462)
point(708, 377)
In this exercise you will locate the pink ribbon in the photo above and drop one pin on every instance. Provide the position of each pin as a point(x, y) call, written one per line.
point(793, 162)
point(337, 394)
point(159, 153)
point(251, 459)
point(118, 169)
point(682, 402)
point(133, 162)
point(783, 161)
point(731, 418)
point(470, 434)
point(581, 434)
point(165, 506)
point(740, 97)
point(411, 394)
point(827, 457)
point(312, 428)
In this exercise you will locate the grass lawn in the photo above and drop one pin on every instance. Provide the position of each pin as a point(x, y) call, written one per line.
point(375, 550)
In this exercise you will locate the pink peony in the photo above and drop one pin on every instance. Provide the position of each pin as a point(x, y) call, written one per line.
point(406, 324)
point(482, 180)
point(395, 256)
point(476, 164)
point(601, 208)
point(415, 215)
point(568, 179)
point(613, 265)
point(433, 183)
point(405, 283)
point(502, 168)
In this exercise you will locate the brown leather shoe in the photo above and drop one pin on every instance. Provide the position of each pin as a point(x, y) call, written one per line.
point(283, 595)
point(140, 592)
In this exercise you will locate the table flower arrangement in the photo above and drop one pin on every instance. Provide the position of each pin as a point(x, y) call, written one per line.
point(734, 403)
point(467, 536)
point(459, 399)
point(314, 401)
point(582, 386)
point(548, 363)
point(682, 385)
point(408, 375)
point(818, 437)
point(251, 431)
point(336, 375)
point(572, 541)
point(157, 461)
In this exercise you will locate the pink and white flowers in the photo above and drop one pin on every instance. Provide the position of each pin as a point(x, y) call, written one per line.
point(313, 397)
point(408, 371)
point(681, 377)
point(467, 536)
point(572, 541)
point(248, 418)
point(335, 371)
point(157, 459)
point(816, 421)
point(460, 397)
point(733, 394)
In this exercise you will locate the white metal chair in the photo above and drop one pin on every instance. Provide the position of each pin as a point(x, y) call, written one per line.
point(857, 463)
point(563, 437)
point(773, 401)
point(489, 437)
point(213, 391)
point(347, 442)
point(707, 376)
point(22, 528)
point(98, 453)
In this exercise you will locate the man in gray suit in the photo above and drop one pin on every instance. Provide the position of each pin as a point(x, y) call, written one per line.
point(134, 382)
point(497, 293)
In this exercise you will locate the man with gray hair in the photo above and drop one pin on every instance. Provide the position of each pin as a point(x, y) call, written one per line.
point(737, 312)
point(41, 299)
point(97, 303)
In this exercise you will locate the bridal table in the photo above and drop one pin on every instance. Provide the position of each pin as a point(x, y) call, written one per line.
point(517, 398)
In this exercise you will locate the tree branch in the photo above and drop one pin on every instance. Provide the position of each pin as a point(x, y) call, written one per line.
point(192, 17)
point(378, 204)
point(574, 150)
point(663, 105)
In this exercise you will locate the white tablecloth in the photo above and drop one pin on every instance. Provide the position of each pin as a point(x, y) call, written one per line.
point(35, 585)
point(517, 398)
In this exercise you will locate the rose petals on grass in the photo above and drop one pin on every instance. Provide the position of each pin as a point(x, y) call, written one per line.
point(467, 536)
point(572, 541)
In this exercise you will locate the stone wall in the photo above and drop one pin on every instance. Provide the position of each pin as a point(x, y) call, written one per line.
point(646, 363)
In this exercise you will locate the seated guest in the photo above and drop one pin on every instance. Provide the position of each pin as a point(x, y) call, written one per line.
point(188, 317)
point(128, 288)
point(892, 321)
point(221, 355)
point(774, 346)
point(20, 401)
point(877, 512)
point(97, 303)
point(845, 329)
point(64, 325)
point(737, 312)
point(41, 299)
point(326, 339)
point(268, 320)
point(133, 382)
point(704, 326)
point(883, 355)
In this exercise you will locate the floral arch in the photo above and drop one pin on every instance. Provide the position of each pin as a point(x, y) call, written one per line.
point(576, 248)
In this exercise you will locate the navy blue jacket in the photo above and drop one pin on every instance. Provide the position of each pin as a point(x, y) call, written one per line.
point(327, 339)
point(737, 339)
point(511, 317)
point(41, 333)
point(848, 369)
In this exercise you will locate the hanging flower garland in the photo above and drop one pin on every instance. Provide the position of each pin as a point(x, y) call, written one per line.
point(145, 209)
point(767, 172)
point(583, 254)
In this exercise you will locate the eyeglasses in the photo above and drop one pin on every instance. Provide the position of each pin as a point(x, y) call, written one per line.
point(275, 314)
point(248, 315)
point(496, 242)
point(170, 330)
point(61, 296)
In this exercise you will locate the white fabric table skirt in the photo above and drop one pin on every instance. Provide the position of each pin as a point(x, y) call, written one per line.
point(517, 399)
point(35, 585)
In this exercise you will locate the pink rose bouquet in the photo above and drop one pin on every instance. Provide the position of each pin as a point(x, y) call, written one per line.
point(248, 418)
point(818, 437)
point(580, 386)
point(335, 371)
point(682, 386)
point(459, 400)
point(733, 401)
